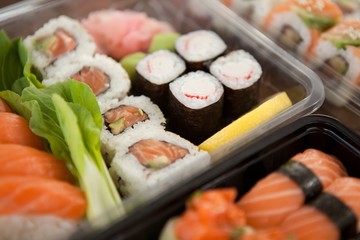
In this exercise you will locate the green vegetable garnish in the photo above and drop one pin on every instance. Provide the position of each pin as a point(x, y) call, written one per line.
point(14, 63)
point(320, 23)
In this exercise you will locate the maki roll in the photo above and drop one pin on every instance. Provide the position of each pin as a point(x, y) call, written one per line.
point(240, 74)
point(199, 48)
point(195, 106)
point(253, 11)
point(125, 116)
point(297, 24)
point(332, 215)
point(107, 79)
point(152, 158)
point(348, 6)
point(60, 37)
point(279, 194)
point(339, 50)
point(154, 73)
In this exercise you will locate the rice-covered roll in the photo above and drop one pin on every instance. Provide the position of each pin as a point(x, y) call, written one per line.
point(152, 158)
point(126, 115)
point(253, 11)
point(339, 49)
point(195, 105)
point(199, 48)
point(58, 38)
point(108, 80)
point(154, 73)
point(240, 73)
point(297, 24)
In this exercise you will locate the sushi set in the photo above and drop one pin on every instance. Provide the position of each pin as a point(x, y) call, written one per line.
point(324, 35)
point(116, 104)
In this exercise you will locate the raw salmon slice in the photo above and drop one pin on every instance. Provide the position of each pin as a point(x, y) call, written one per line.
point(4, 107)
point(122, 117)
point(157, 154)
point(310, 223)
point(25, 195)
point(22, 160)
point(97, 80)
point(273, 198)
point(15, 129)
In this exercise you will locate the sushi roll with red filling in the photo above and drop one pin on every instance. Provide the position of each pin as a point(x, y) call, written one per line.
point(154, 73)
point(106, 78)
point(195, 106)
point(147, 158)
point(240, 74)
point(60, 37)
point(125, 116)
point(199, 48)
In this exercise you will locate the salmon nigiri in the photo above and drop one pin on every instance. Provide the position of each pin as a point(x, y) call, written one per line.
point(273, 198)
point(15, 129)
point(4, 107)
point(23, 160)
point(310, 222)
point(31, 196)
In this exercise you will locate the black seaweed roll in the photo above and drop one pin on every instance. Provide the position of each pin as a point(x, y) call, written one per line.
point(195, 105)
point(154, 73)
point(240, 74)
point(199, 48)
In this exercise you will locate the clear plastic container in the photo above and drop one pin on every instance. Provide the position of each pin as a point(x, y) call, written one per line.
point(282, 72)
point(342, 96)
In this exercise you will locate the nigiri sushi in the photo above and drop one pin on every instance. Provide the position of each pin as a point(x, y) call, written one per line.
point(332, 215)
point(32, 196)
point(26, 161)
point(15, 129)
point(273, 198)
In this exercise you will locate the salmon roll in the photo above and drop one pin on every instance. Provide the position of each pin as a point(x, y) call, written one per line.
point(199, 48)
point(297, 24)
point(60, 37)
point(339, 50)
point(280, 193)
point(125, 116)
point(348, 6)
point(146, 158)
point(106, 78)
point(195, 106)
point(332, 215)
point(240, 74)
point(154, 73)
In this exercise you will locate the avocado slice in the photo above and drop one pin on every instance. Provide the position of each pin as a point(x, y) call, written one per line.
point(43, 44)
point(117, 127)
point(315, 21)
point(129, 63)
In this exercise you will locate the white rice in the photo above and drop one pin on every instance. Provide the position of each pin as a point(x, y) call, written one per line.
point(36, 228)
point(110, 142)
point(203, 89)
point(232, 70)
point(136, 178)
point(326, 50)
point(200, 46)
point(161, 67)
point(292, 20)
point(119, 79)
point(85, 43)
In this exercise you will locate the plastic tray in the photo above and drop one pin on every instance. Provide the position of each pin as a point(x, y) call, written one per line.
point(281, 72)
point(342, 97)
point(242, 170)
